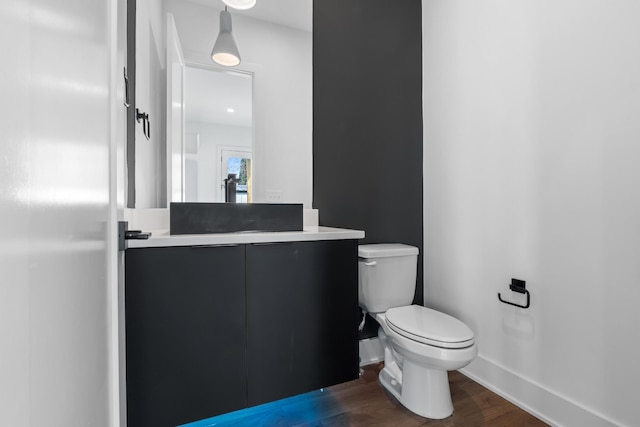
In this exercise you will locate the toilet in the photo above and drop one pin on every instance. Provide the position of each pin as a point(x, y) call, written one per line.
point(420, 344)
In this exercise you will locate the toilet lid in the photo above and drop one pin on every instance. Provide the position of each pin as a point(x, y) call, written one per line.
point(429, 326)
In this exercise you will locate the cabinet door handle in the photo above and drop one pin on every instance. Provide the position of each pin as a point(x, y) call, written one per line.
point(221, 245)
point(370, 263)
point(271, 243)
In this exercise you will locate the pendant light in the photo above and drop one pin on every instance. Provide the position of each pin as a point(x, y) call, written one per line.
point(240, 4)
point(225, 52)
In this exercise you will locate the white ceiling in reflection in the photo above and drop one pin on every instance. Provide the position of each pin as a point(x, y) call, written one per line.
point(209, 93)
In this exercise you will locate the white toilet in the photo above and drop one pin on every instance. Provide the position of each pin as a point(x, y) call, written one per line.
point(420, 344)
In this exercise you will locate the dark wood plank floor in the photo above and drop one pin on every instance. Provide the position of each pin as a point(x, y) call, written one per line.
point(365, 403)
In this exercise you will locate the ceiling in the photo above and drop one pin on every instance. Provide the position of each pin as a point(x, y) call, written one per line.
point(209, 93)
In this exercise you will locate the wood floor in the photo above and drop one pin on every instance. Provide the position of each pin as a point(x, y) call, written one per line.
point(364, 402)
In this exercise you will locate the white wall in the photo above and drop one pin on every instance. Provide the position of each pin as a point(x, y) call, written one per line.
point(281, 59)
point(212, 137)
point(54, 210)
point(531, 150)
point(151, 90)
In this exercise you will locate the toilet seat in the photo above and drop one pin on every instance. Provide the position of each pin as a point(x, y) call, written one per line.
point(429, 326)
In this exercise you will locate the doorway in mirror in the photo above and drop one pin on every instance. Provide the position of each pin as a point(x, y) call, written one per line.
point(238, 164)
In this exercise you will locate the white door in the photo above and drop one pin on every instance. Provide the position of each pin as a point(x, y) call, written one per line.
point(118, 200)
point(58, 78)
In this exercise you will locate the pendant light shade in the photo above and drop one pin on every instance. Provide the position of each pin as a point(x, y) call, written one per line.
point(240, 4)
point(225, 52)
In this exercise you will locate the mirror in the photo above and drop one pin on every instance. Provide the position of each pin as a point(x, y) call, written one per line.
point(275, 42)
point(218, 134)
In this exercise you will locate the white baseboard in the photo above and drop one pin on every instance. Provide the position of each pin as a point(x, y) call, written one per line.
point(539, 401)
point(371, 351)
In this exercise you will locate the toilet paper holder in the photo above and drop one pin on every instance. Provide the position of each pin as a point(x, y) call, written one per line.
point(518, 286)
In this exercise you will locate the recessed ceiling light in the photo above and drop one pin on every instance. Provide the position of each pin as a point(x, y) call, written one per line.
point(230, 110)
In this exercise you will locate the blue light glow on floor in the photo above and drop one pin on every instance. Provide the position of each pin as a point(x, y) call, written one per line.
point(292, 411)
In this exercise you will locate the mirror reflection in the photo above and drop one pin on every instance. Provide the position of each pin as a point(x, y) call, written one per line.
point(196, 142)
point(218, 134)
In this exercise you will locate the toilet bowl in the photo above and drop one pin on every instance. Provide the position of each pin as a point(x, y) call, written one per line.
point(420, 344)
point(415, 372)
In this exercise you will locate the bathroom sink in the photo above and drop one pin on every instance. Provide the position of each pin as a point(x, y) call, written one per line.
point(209, 218)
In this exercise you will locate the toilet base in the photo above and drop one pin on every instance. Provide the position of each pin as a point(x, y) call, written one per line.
point(422, 390)
point(416, 373)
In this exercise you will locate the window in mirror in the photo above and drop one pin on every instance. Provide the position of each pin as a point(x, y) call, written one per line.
point(238, 163)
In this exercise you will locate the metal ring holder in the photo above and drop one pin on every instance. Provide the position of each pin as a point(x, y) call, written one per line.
point(146, 123)
point(518, 286)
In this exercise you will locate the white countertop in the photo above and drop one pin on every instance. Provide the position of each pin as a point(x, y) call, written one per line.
point(162, 238)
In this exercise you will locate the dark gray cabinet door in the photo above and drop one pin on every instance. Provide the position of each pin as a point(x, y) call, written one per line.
point(302, 317)
point(185, 333)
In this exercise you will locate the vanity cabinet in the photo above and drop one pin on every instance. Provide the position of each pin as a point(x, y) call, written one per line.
point(185, 326)
point(212, 329)
point(302, 317)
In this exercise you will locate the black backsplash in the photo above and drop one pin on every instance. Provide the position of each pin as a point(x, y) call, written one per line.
point(367, 120)
point(205, 218)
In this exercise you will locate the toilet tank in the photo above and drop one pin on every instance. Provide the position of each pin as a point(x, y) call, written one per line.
point(386, 276)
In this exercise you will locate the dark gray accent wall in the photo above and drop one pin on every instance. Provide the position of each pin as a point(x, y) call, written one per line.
point(367, 119)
